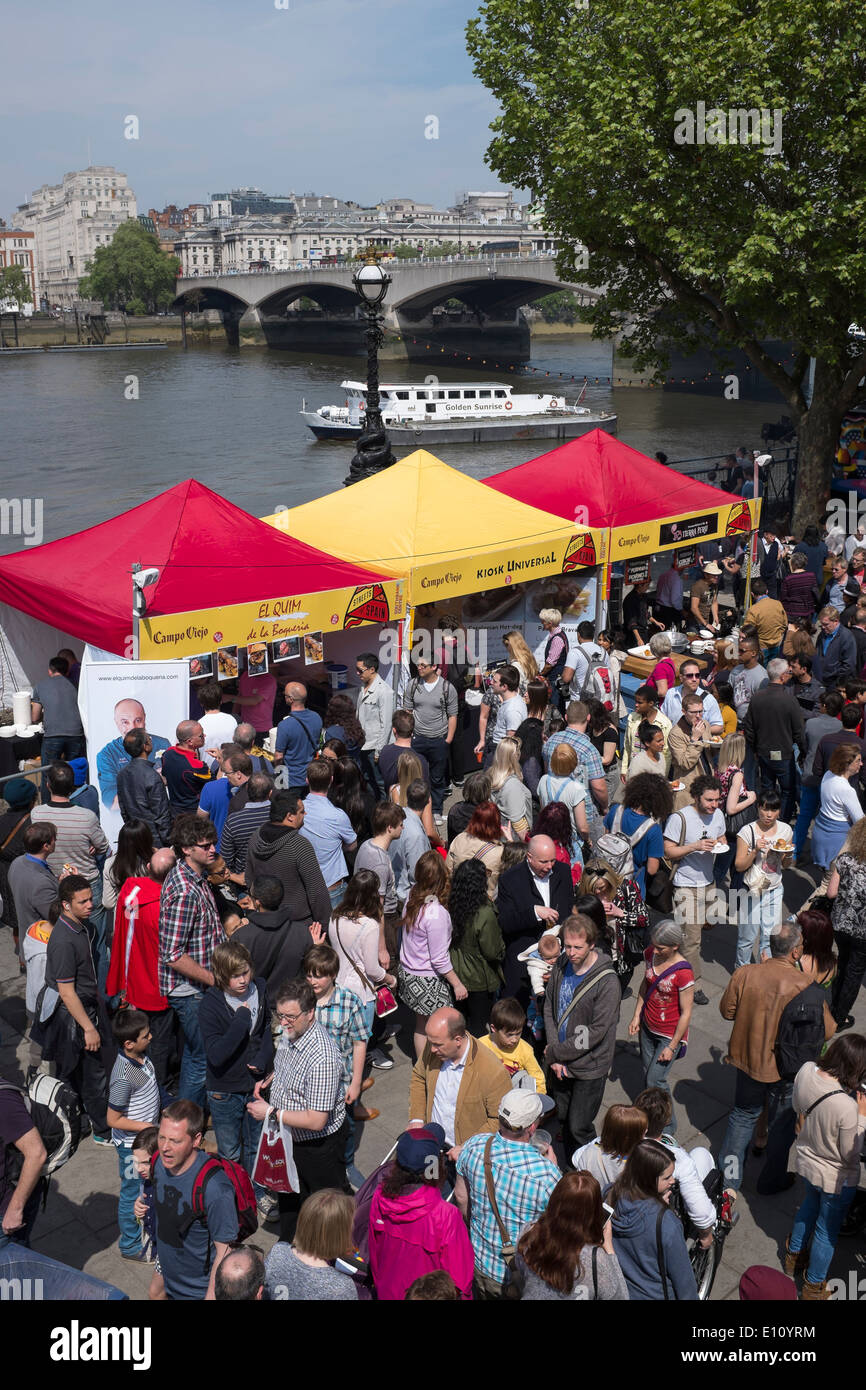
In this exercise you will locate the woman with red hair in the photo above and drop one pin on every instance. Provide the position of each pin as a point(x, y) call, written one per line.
point(482, 840)
point(554, 820)
point(567, 1254)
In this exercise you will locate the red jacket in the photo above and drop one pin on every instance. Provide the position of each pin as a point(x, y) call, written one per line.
point(139, 979)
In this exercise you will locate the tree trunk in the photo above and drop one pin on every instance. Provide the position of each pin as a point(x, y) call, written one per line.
point(818, 432)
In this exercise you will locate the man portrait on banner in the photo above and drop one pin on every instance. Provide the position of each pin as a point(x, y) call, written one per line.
point(128, 714)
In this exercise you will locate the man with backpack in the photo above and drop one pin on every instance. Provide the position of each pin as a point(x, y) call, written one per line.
point(21, 1181)
point(586, 665)
point(590, 768)
point(197, 1216)
point(770, 1041)
point(433, 701)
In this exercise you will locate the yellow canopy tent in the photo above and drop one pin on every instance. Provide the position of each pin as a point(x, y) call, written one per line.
point(446, 533)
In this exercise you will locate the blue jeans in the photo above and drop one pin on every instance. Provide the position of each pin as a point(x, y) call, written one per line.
point(749, 1099)
point(369, 1015)
point(236, 1132)
point(97, 927)
point(130, 1231)
point(193, 1065)
point(820, 1215)
point(337, 893)
point(68, 746)
point(758, 915)
point(656, 1072)
point(810, 800)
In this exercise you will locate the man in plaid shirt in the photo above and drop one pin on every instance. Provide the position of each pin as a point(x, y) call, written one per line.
point(307, 1094)
point(345, 1017)
point(523, 1180)
point(189, 928)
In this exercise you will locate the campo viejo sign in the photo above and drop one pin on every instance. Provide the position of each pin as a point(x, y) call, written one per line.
point(496, 569)
point(239, 624)
point(676, 531)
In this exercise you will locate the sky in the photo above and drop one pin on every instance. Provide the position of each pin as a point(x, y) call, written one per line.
point(326, 96)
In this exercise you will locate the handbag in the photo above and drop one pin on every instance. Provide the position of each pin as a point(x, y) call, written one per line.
point(660, 888)
point(274, 1167)
point(754, 878)
point(683, 1047)
point(385, 1002)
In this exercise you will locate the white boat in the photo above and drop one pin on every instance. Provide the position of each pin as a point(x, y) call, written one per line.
point(457, 412)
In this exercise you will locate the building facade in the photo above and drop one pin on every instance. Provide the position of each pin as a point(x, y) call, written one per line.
point(18, 248)
point(70, 221)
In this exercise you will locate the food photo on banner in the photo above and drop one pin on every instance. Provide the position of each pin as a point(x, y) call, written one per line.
point(117, 696)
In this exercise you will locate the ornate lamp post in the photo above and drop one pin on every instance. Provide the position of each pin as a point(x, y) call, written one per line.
point(373, 448)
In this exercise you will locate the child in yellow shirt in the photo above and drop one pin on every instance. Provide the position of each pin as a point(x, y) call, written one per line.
point(505, 1041)
point(725, 697)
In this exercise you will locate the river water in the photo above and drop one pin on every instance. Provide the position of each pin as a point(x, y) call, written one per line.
point(69, 434)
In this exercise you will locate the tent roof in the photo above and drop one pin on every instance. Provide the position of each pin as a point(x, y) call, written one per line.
point(208, 551)
point(617, 485)
point(419, 512)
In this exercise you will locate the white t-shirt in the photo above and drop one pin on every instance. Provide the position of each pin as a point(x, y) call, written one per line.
point(694, 870)
point(509, 717)
point(218, 728)
point(770, 860)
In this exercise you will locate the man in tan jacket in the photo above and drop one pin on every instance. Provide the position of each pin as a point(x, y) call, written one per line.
point(769, 617)
point(455, 1082)
point(755, 999)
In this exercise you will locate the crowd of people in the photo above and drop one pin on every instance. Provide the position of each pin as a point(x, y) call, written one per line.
point(491, 867)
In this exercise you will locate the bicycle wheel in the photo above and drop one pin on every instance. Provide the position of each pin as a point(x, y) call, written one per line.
point(705, 1263)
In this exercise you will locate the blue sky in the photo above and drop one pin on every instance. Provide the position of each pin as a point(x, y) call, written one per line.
point(328, 96)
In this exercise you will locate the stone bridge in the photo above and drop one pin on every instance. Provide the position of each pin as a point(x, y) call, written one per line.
point(491, 291)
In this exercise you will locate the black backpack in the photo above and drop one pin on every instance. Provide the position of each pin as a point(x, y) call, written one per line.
point(801, 1031)
point(56, 1114)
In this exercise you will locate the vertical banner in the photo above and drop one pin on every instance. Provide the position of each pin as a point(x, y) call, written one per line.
point(121, 695)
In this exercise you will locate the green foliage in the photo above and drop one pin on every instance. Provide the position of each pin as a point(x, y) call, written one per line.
point(131, 268)
point(136, 307)
point(713, 245)
point(14, 284)
point(404, 251)
point(560, 307)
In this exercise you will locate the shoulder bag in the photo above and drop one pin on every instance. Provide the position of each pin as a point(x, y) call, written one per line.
point(660, 1252)
point(385, 1002)
point(584, 989)
point(754, 878)
point(511, 1289)
point(683, 1047)
point(14, 831)
point(660, 888)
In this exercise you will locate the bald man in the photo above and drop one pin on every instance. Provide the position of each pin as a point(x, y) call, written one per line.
point(533, 896)
point(456, 1083)
point(240, 1277)
point(297, 738)
point(128, 714)
point(184, 772)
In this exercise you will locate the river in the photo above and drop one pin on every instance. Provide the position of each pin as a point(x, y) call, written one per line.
point(72, 436)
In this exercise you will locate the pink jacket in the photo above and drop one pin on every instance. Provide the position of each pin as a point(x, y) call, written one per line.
point(413, 1234)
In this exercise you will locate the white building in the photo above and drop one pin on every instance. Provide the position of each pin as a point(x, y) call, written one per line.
point(70, 221)
point(18, 248)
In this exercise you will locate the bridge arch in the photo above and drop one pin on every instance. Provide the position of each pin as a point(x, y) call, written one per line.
point(489, 294)
point(197, 298)
point(333, 298)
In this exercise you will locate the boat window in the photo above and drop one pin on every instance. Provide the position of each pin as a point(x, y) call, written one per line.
point(500, 395)
point(431, 409)
point(453, 395)
point(440, 395)
point(402, 395)
point(484, 395)
point(421, 395)
point(469, 395)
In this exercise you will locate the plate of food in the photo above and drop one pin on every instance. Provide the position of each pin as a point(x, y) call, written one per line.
point(678, 786)
point(227, 663)
point(783, 846)
point(718, 849)
point(257, 658)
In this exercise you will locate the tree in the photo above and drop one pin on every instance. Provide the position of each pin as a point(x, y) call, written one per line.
point(559, 307)
point(14, 286)
point(131, 267)
point(705, 228)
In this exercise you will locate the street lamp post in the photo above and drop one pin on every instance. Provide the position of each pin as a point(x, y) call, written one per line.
point(373, 448)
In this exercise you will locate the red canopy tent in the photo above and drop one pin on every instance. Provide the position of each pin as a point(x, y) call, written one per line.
point(597, 480)
point(210, 555)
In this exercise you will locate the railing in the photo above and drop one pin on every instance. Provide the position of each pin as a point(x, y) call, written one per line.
point(778, 478)
point(475, 258)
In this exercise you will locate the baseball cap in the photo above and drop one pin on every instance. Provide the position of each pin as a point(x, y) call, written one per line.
point(520, 1108)
point(416, 1146)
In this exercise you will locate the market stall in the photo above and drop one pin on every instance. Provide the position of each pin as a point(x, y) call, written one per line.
point(485, 560)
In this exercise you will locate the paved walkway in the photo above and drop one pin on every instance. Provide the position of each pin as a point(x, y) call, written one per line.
point(79, 1225)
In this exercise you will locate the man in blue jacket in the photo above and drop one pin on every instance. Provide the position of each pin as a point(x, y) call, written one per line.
point(836, 651)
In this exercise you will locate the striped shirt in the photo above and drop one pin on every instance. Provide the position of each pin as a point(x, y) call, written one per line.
point(308, 1075)
point(344, 1017)
point(134, 1092)
point(78, 831)
point(523, 1180)
point(239, 828)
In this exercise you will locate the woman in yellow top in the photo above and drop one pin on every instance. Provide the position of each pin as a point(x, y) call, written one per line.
point(724, 693)
point(505, 1040)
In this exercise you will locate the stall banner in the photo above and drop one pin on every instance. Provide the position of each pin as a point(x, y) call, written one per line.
point(117, 696)
point(687, 556)
point(677, 531)
point(240, 624)
point(498, 569)
point(637, 571)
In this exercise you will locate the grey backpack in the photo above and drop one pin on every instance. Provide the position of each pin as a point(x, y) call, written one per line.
point(615, 847)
